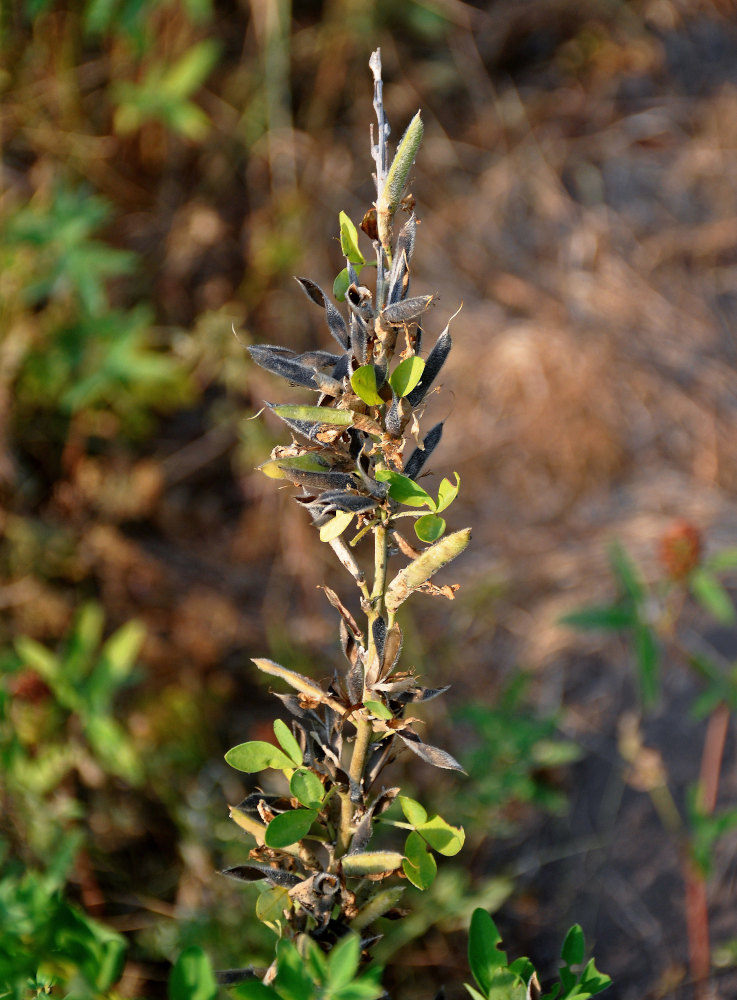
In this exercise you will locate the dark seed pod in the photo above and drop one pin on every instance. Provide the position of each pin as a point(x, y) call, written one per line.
point(406, 311)
point(342, 367)
point(359, 338)
point(378, 631)
point(336, 323)
point(416, 461)
point(318, 359)
point(276, 361)
point(435, 361)
point(393, 419)
point(320, 480)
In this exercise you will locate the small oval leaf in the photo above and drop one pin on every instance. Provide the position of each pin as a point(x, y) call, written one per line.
point(419, 865)
point(406, 375)
point(447, 493)
point(415, 813)
point(257, 756)
point(307, 788)
point(404, 490)
point(289, 827)
point(336, 526)
point(349, 240)
point(288, 743)
point(363, 381)
point(429, 528)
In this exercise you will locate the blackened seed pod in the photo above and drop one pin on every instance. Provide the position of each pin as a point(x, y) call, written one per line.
point(393, 419)
point(378, 631)
point(336, 323)
point(275, 361)
point(435, 361)
point(416, 461)
point(359, 338)
point(318, 359)
point(409, 309)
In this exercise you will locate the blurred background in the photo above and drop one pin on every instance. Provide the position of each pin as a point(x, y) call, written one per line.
point(166, 168)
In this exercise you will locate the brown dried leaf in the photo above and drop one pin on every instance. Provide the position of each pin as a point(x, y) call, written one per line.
point(343, 611)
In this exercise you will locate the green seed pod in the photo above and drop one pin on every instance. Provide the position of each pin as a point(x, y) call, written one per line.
point(424, 566)
point(396, 178)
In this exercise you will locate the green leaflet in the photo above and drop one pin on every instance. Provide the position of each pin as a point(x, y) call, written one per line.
point(429, 528)
point(307, 788)
point(288, 743)
point(364, 385)
point(405, 490)
point(257, 756)
point(289, 827)
point(349, 240)
point(419, 865)
point(406, 375)
point(336, 526)
point(192, 977)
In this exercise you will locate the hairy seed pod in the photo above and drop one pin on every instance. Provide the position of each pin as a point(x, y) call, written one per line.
point(424, 566)
point(336, 323)
point(435, 361)
point(416, 461)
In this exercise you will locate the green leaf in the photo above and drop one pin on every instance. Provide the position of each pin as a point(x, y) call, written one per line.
point(610, 618)
point(315, 414)
point(289, 827)
point(343, 961)
point(416, 814)
point(485, 957)
point(288, 743)
point(419, 865)
point(341, 285)
point(405, 490)
point(253, 989)
point(442, 837)
point(429, 528)
point(712, 596)
point(724, 560)
point(647, 655)
point(307, 788)
point(363, 381)
point(379, 709)
point(271, 904)
point(349, 240)
point(406, 375)
point(336, 525)
point(371, 862)
point(626, 573)
point(118, 655)
point(447, 493)
point(573, 948)
point(191, 70)
point(592, 982)
point(257, 756)
point(293, 980)
point(506, 985)
point(192, 977)
point(37, 656)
